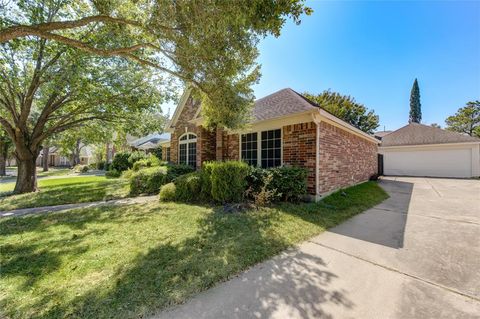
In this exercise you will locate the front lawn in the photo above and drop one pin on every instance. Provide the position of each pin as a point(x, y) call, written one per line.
point(127, 262)
point(64, 190)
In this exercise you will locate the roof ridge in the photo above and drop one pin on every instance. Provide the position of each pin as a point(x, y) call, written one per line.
point(266, 96)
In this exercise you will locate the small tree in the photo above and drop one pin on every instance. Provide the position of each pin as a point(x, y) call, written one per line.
point(415, 106)
point(346, 108)
point(466, 120)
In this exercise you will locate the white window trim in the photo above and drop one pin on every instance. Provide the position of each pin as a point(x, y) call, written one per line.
point(187, 141)
point(259, 144)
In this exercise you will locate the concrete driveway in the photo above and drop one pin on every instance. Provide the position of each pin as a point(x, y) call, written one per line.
point(416, 255)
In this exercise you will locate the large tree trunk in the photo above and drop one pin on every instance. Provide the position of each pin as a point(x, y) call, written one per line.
point(45, 155)
point(27, 176)
point(27, 170)
point(3, 158)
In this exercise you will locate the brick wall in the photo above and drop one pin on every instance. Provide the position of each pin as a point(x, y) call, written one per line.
point(206, 146)
point(299, 149)
point(345, 159)
point(231, 147)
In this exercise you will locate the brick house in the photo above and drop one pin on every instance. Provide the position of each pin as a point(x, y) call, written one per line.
point(287, 129)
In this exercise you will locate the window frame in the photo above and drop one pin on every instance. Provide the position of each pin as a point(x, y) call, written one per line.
point(185, 139)
point(259, 144)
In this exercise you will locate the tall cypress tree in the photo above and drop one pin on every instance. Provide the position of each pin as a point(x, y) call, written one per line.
point(415, 106)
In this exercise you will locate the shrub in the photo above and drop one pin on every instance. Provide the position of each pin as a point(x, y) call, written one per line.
point(79, 168)
point(113, 173)
point(148, 180)
point(100, 165)
point(188, 187)
point(127, 174)
point(150, 161)
point(168, 193)
point(290, 182)
point(92, 165)
point(228, 180)
point(120, 161)
point(266, 194)
point(141, 164)
point(135, 157)
point(287, 182)
point(206, 181)
point(175, 170)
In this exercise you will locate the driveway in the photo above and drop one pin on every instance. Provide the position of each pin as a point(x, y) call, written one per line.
point(416, 255)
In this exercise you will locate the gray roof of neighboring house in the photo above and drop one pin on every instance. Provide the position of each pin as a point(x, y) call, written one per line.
point(381, 134)
point(281, 103)
point(153, 138)
point(419, 134)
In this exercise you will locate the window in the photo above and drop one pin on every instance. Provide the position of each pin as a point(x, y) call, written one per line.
point(271, 148)
point(250, 148)
point(265, 153)
point(167, 154)
point(187, 149)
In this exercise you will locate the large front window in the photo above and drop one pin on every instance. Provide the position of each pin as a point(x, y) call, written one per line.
point(187, 149)
point(262, 149)
point(250, 148)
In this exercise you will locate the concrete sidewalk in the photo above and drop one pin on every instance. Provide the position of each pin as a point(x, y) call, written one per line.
point(57, 208)
point(416, 255)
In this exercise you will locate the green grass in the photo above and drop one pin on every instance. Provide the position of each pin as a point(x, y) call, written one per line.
point(65, 190)
point(53, 172)
point(128, 262)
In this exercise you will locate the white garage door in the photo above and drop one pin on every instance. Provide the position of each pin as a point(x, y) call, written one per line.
point(437, 163)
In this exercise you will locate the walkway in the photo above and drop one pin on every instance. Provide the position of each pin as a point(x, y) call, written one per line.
point(57, 208)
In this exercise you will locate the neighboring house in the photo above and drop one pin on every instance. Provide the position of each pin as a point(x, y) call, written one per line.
point(381, 134)
point(149, 142)
point(421, 150)
point(286, 129)
point(56, 159)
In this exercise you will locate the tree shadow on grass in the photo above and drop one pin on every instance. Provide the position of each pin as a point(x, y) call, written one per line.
point(35, 260)
point(225, 245)
point(64, 194)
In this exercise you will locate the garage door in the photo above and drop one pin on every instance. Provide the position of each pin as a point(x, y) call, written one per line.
point(437, 163)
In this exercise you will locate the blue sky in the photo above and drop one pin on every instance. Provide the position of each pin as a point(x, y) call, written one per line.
point(374, 50)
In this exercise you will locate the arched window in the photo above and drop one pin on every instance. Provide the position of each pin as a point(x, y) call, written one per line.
point(187, 149)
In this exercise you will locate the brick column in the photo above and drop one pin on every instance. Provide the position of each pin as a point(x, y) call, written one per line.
point(219, 144)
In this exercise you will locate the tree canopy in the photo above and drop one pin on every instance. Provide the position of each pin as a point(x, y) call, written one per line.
point(209, 44)
point(415, 105)
point(346, 108)
point(466, 120)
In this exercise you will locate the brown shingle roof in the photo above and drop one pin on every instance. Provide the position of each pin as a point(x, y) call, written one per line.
point(280, 103)
point(419, 134)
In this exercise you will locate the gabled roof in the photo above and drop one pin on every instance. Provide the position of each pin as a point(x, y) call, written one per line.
point(419, 134)
point(281, 103)
point(154, 138)
point(381, 134)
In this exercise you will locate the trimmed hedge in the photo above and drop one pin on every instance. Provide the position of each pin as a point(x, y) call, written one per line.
point(168, 193)
point(227, 179)
point(188, 187)
point(148, 180)
point(179, 169)
point(288, 182)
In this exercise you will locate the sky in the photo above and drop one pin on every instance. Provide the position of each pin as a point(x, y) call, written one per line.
point(374, 50)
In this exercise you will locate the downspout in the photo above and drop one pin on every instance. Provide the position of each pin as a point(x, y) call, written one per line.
point(316, 120)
